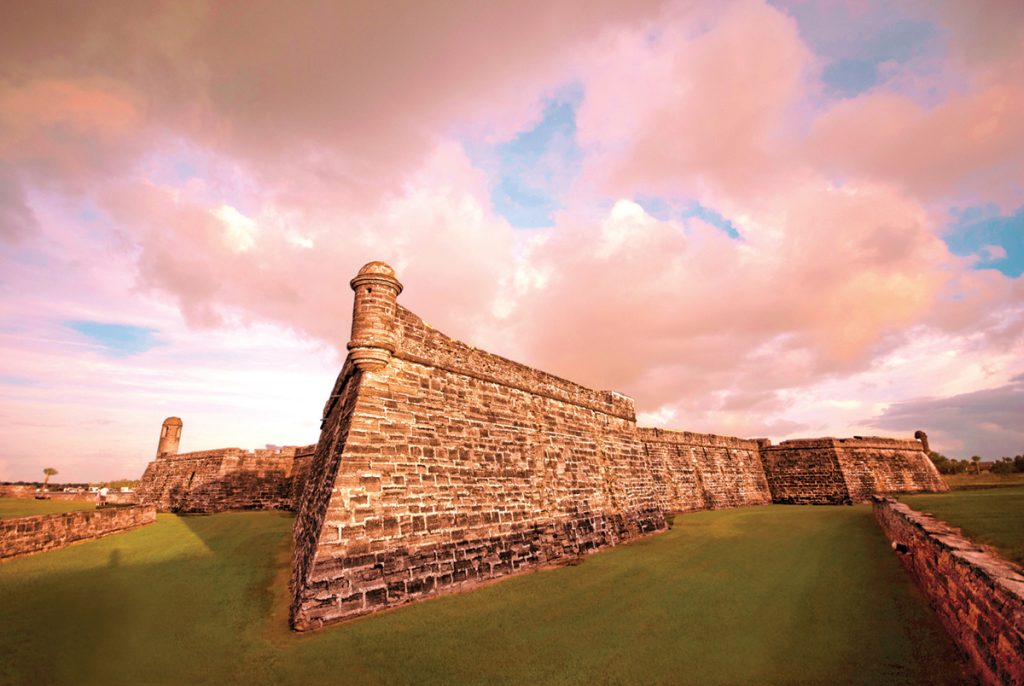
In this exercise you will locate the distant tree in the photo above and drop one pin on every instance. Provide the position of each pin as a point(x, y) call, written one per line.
point(1018, 463)
point(940, 461)
point(977, 463)
point(1003, 466)
point(48, 471)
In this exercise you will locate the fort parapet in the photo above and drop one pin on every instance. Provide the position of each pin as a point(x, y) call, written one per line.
point(447, 466)
point(441, 466)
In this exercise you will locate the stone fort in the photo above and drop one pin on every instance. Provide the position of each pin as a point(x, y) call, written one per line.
point(441, 466)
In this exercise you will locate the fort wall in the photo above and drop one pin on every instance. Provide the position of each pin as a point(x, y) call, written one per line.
point(847, 470)
point(441, 466)
point(978, 596)
point(226, 479)
point(874, 465)
point(694, 471)
point(805, 471)
point(25, 535)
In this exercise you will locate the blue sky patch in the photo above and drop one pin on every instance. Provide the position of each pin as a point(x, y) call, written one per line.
point(710, 216)
point(659, 208)
point(974, 228)
point(118, 340)
point(664, 210)
point(898, 42)
point(531, 171)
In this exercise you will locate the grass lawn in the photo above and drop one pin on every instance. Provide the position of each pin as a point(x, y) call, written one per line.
point(28, 507)
point(761, 595)
point(994, 516)
point(984, 480)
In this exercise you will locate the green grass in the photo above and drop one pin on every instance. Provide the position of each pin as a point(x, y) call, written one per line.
point(764, 595)
point(994, 516)
point(983, 480)
point(28, 507)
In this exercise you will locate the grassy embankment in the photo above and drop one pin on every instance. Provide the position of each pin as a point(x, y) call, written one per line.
point(750, 596)
point(994, 516)
point(28, 507)
point(959, 482)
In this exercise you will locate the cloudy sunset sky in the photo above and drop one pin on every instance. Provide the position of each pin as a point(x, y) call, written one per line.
point(782, 219)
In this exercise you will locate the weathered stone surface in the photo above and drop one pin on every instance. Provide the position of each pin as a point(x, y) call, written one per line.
point(450, 466)
point(441, 466)
point(170, 437)
point(704, 472)
point(843, 470)
point(25, 535)
point(978, 596)
point(226, 479)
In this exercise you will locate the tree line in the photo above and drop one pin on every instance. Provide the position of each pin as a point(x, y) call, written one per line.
point(948, 465)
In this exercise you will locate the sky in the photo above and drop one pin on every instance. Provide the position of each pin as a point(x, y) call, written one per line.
point(765, 219)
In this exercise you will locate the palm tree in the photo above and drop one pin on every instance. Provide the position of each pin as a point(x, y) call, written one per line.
point(48, 471)
point(977, 464)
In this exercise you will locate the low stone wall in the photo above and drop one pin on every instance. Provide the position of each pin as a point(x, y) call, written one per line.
point(29, 491)
point(25, 535)
point(979, 596)
point(17, 491)
point(113, 497)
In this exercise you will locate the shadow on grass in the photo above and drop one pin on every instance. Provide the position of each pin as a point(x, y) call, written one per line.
point(760, 595)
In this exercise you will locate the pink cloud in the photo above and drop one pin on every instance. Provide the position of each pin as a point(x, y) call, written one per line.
point(701, 106)
point(345, 97)
point(220, 178)
point(970, 147)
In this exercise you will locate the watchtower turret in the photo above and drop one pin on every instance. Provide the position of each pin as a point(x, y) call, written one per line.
point(170, 435)
point(374, 335)
point(923, 437)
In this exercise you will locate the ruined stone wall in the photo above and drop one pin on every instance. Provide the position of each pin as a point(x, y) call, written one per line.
point(225, 479)
point(978, 596)
point(447, 466)
point(841, 470)
point(25, 535)
point(704, 472)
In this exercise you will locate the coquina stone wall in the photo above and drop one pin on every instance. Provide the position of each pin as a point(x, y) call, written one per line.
point(441, 466)
point(844, 470)
point(704, 472)
point(226, 479)
point(874, 465)
point(978, 596)
point(24, 535)
point(17, 491)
